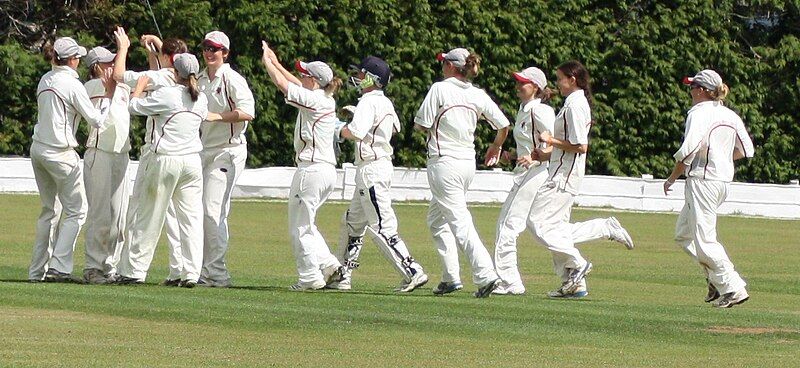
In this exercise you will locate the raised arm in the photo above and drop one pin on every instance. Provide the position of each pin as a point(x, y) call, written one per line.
point(123, 44)
point(274, 67)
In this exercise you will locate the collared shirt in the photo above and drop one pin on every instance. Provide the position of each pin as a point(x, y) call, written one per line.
point(228, 91)
point(164, 77)
point(533, 118)
point(572, 125)
point(62, 100)
point(451, 111)
point(313, 130)
point(177, 120)
point(114, 137)
point(712, 133)
point(374, 122)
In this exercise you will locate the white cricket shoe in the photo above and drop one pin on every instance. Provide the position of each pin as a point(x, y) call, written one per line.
point(419, 279)
point(618, 233)
point(340, 285)
point(303, 286)
point(579, 292)
point(509, 289)
point(730, 299)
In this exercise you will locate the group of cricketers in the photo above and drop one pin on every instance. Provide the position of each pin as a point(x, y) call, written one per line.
point(195, 149)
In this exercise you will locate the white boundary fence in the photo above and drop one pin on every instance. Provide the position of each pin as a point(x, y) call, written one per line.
point(769, 200)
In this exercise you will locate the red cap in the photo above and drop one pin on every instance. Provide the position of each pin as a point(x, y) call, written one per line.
point(440, 56)
point(299, 66)
point(687, 80)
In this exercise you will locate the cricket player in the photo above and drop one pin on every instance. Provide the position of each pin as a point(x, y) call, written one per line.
point(105, 166)
point(449, 114)
point(172, 173)
point(224, 151)
point(371, 128)
point(714, 138)
point(533, 118)
point(62, 101)
point(313, 180)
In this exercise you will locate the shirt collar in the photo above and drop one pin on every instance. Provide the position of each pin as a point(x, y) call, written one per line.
point(375, 92)
point(65, 69)
point(574, 96)
point(458, 82)
point(224, 67)
point(530, 104)
point(705, 104)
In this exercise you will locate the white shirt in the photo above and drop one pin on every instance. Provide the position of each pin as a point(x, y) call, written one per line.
point(114, 137)
point(177, 120)
point(62, 100)
point(572, 125)
point(533, 118)
point(227, 92)
point(374, 122)
point(451, 111)
point(712, 133)
point(313, 130)
point(164, 77)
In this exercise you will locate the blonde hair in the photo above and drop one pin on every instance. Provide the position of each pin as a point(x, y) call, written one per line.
point(720, 93)
point(333, 86)
point(471, 66)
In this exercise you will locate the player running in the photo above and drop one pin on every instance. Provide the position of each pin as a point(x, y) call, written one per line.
point(533, 118)
point(714, 138)
point(312, 183)
point(371, 128)
point(449, 115)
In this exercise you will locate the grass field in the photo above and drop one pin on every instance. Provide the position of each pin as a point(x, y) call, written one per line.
point(645, 308)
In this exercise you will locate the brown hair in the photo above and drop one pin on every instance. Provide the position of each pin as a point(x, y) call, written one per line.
point(333, 86)
point(720, 93)
point(50, 55)
point(190, 83)
point(173, 46)
point(574, 68)
point(545, 94)
point(95, 71)
point(471, 66)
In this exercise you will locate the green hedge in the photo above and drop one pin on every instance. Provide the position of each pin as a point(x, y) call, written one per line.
point(637, 52)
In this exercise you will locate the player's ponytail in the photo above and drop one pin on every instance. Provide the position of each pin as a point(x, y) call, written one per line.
point(471, 67)
point(720, 93)
point(50, 56)
point(191, 86)
point(544, 94)
point(333, 86)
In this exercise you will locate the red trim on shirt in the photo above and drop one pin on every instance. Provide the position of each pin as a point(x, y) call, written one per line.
point(439, 117)
point(155, 149)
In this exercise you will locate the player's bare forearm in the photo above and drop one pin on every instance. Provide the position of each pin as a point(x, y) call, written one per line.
point(500, 137)
point(234, 116)
point(420, 128)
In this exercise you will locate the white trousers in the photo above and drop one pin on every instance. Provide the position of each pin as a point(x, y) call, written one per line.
point(221, 169)
point(165, 179)
point(549, 223)
point(371, 211)
point(311, 186)
point(696, 233)
point(450, 221)
point(59, 177)
point(106, 180)
point(513, 220)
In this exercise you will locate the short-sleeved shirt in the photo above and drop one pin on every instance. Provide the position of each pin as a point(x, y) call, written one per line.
point(712, 133)
point(114, 137)
point(62, 100)
point(450, 112)
point(177, 120)
point(228, 91)
point(572, 125)
point(533, 118)
point(314, 126)
point(373, 123)
point(164, 77)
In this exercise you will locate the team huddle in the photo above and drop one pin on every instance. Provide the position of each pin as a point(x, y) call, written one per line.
point(195, 149)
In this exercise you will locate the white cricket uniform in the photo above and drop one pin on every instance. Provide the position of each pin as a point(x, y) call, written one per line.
point(172, 173)
point(62, 101)
point(550, 214)
point(373, 123)
point(532, 119)
point(450, 112)
point(164, 77)
point(313, 180)
point(105, 166)
point(224, 155)
point(712, 133)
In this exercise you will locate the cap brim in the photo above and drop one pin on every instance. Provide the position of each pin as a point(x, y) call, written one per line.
point(215, 44)
point(300, 67)
point(81, 51)
point(440, 56)
point(687, 80)
point(107, 59)
point(520, 78)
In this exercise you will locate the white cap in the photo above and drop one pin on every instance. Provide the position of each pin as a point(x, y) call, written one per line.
point(317, 69)
point(185, 65)
point(707, 79)
point(217, 39)
point(99, 54)
point(532, 75)
point(66, 47)
point(457, 57)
